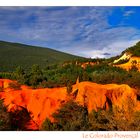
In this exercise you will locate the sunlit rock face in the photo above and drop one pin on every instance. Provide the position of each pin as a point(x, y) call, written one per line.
point(97, 96)
point(42, 103)
point(125, 56)
point(133, 61)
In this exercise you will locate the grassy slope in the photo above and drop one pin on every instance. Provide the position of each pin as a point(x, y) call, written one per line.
point(15, 54)
point(134, 50)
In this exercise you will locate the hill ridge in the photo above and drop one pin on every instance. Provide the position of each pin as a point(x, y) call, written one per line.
point(14, 54)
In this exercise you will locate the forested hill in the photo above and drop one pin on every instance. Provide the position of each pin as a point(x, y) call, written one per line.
point(15, 54)
point(134, 50)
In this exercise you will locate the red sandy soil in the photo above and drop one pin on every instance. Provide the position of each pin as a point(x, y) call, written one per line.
point(42, 103)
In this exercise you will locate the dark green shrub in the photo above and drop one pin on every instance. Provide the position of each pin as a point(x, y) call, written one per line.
point(5, 122)
point(101, 121)
point(19, 119)
point(71, 117)
point(69, 88)
point(49, 126)
point(1, 89)
point(15, 86)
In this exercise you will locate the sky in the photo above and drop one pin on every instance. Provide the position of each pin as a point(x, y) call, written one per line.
point(85, 31)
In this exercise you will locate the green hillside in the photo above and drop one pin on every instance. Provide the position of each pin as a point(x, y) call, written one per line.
point(15, 54)
point(134, 50)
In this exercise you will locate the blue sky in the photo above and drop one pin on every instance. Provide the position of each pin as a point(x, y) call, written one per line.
point(84, 31)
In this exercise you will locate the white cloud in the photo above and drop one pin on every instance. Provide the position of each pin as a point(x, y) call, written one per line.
point(113, 49)
point(128, 13)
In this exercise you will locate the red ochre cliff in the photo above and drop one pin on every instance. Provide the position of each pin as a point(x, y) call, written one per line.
point(42, 103)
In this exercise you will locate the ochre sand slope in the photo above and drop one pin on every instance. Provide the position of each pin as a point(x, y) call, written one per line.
point(127, 66)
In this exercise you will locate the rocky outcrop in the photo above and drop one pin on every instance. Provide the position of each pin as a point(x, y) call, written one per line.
point(97, 96)
point(4, 83)
point(84, 65)
point(133, 61)
point(42, 103)
point(125, 56)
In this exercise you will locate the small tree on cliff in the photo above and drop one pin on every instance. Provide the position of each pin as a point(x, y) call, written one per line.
point(20, 75)
point(69, 87)
point(134, 67)
point(36, 75)
point(15, 85)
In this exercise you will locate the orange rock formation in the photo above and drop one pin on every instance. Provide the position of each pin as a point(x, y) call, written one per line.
point(42, 103)
point(84, 65)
